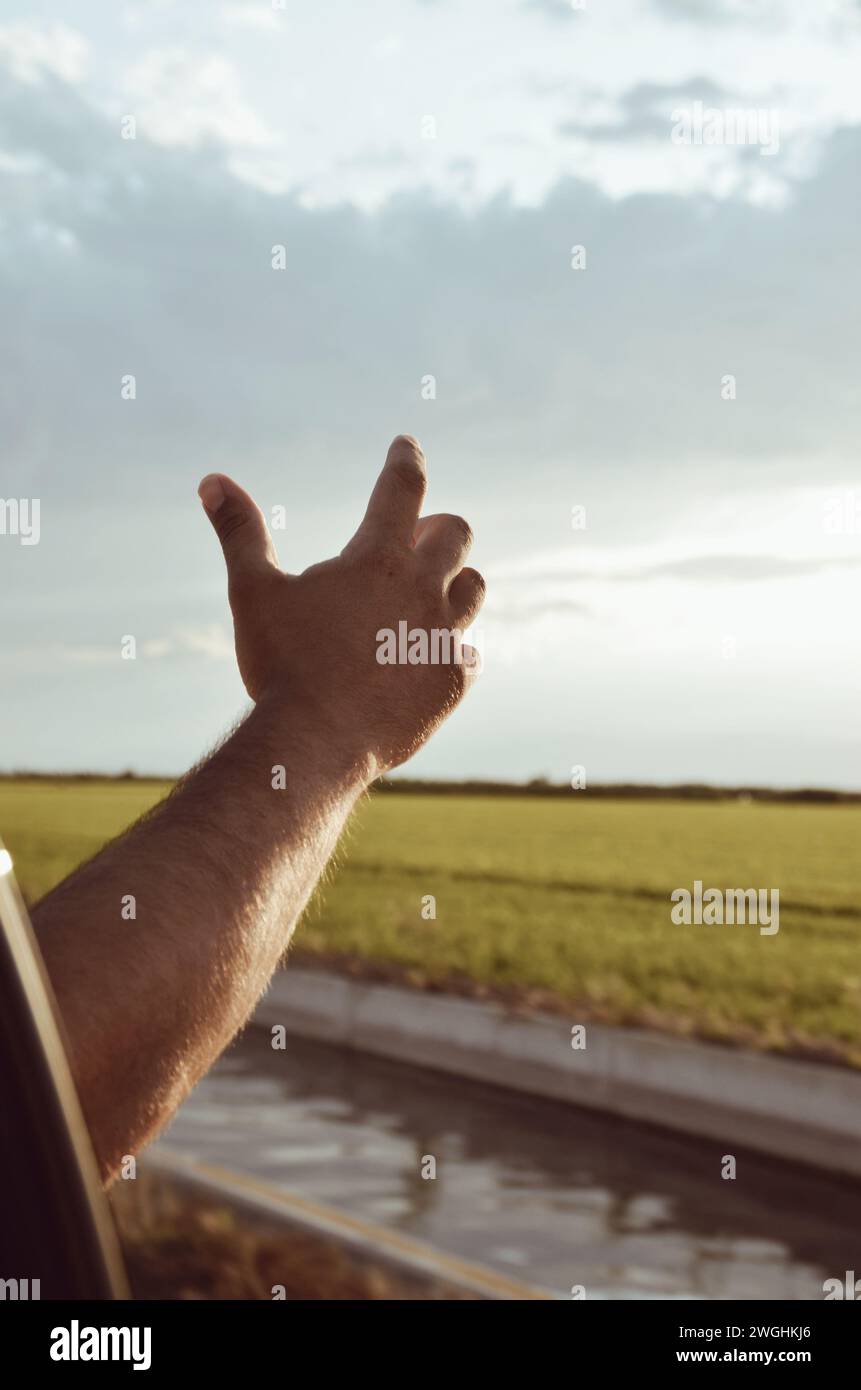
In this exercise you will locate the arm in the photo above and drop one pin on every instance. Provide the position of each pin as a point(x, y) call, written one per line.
point(221, 870)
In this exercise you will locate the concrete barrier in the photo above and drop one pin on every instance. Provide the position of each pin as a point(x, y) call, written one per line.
point(801, 1111)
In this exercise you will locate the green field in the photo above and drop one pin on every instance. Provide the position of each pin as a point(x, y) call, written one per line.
point(560, 903)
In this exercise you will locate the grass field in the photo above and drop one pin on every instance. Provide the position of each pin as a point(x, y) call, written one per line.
point(561, 903)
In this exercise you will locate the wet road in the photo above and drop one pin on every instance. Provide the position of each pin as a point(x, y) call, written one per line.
point(554, 1196)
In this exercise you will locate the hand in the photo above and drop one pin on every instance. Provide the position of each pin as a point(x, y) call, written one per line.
point(311, 641)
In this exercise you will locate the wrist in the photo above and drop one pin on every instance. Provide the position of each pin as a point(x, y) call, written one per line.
point(302, 721)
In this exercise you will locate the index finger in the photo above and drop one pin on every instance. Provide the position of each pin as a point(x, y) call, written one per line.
point(396, 500)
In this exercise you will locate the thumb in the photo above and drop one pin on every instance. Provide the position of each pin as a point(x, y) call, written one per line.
point(239, 525)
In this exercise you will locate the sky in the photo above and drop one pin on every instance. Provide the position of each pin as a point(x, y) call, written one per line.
point(655, 437)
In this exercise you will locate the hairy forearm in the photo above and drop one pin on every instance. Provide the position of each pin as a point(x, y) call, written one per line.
point(216, 877)
point(159, 948)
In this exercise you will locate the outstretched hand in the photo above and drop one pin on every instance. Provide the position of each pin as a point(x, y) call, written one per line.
point(313, 639)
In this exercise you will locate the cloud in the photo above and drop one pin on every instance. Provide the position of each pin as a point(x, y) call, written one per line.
point(182, 101)
point(592, 376)
point(526, 608)
point(726, 568)
point(554, 9)
point(719, 12)
point(212, 641)
point(739, 569)
point(553, 387)
point(32, 51)
point(645, 111)
point(251, 16)
point(771, 16)
point(391, 158)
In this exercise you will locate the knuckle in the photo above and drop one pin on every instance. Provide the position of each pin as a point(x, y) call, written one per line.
point(479, 586)
point(467, 594)
point(462, 530)
point(429, 587)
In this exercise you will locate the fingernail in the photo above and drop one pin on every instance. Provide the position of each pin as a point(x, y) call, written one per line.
point(211, 493)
